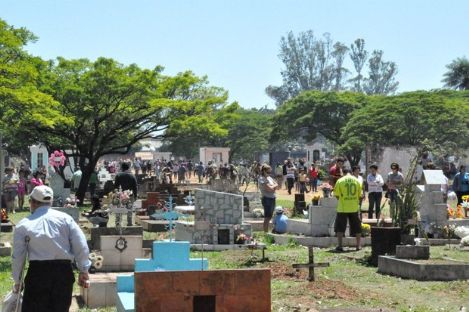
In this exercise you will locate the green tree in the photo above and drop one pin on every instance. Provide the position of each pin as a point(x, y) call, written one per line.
point(317, 63)
point(457, 76)
point(381, 76)
point(113, 106)
point(21, 100)
point(419, 119)
point(314, 112)
point(358, 55)
point(249, 134)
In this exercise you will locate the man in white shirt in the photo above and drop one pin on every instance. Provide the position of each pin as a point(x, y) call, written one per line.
point(52, 241)
point(375, 191)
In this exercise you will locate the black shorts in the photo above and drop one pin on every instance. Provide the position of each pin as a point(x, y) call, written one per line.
point(354, 221)
point(269, 206)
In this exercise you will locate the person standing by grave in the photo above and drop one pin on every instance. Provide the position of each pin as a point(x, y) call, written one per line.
point(199, 169)
point(125, 180)
point(461, 183)
point(137, 166)
point(76, 179)
point(348, 191)
point(336, 171)
point(10, 189)
point(267, 187)
point(182, 174)
point(375, 184)
point(313, 177)
point(291, 170)
point(22, 183)
point(394, 181)
point(302, 179)
point(190, 168)
point(52, 240)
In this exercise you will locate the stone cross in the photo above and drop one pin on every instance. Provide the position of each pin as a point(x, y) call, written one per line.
point(310, 265)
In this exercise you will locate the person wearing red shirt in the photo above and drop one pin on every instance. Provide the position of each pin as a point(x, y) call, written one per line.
point(336, 171)
point(313, 177)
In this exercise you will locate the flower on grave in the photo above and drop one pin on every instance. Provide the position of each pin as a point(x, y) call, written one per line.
point(366, 229)
point(242, 238)
point(448, 231)
point(57, 159)
point(4, 215)
point(451, 213)
point(316, 197)
point(459, 212)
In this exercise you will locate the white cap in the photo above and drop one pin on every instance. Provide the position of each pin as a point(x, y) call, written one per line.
point(42, 193)
point(279, 209)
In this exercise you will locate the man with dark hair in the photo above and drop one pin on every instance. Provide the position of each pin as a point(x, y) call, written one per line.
point(375, 191)
point(348, 191)
point(336, 171)
point(52, 241)
point(461, 183)
point(126, 181)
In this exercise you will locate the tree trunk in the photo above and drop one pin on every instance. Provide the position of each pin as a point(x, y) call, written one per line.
point(86, 170)
point(353, 158)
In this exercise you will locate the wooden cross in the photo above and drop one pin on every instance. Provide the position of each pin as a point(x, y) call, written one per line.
point(310, 265)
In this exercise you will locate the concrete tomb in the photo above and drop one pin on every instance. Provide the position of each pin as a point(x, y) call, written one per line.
point(210, 291)
point(218, 219)
point(166, 256)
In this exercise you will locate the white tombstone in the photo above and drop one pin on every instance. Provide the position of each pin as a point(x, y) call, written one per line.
point(432, 207)
point(56, 182)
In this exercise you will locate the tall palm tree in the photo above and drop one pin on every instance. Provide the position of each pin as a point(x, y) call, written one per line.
point(457, 76)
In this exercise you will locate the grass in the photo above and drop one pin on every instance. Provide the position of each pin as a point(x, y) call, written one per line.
point(347, 283)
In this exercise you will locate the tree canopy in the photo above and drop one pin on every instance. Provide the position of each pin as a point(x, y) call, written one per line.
point(457, 76)
point(414, 119)
point(318, 63)
point(20, 98)
point(108, 107)
point(314, 112)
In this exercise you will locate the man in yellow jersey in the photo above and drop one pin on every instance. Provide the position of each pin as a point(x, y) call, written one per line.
point(348, 191)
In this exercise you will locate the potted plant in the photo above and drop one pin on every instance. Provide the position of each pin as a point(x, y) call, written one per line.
point(385, 239)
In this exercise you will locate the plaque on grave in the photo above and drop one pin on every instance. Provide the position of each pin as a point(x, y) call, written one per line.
point(223, 236)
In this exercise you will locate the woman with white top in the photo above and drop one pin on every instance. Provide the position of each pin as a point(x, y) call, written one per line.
point(375, 191)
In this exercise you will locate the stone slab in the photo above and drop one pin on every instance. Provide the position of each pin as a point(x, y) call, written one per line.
point(5, 249)
point(412, 252)
point(211, 247)
point(154, 225)
point(322, 242)
point(256, 224)
point(96, 233)
point(423, 271)
point(120, 261)
point(102, 291)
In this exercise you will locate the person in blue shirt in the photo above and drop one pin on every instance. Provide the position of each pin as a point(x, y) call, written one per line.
point(280, 221)
point(52, 240)
point(461, 183)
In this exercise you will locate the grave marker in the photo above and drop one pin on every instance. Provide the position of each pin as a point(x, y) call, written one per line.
point(310, 265)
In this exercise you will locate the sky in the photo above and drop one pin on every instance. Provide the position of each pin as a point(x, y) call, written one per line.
point(236, 43)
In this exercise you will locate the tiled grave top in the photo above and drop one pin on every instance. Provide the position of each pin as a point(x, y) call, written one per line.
point(218, 207)
point(167, 256)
